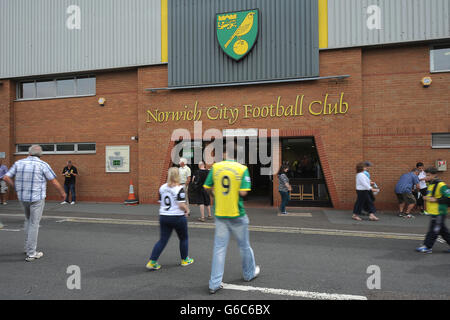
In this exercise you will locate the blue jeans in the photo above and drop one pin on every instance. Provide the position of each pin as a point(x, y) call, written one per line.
point(284, 200)
point(71, 188)
point(167, 224)
point(224, 227)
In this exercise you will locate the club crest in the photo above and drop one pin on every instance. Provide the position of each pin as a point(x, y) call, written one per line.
point(237, 32)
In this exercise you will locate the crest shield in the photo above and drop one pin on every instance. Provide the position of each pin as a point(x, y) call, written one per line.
point(237, 32)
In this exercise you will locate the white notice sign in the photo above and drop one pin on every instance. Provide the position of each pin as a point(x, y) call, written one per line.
point(117, 159)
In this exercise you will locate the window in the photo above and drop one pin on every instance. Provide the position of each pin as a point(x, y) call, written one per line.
point(45, 89)
point(86, 147)
point(65, 148)
point(23, 148)
point(48, 147)
point(440, 59)
point(65, 87)
point(441, 140)
point(85, 86)
point(27, 90)
point(60, 148)
point(57, 88)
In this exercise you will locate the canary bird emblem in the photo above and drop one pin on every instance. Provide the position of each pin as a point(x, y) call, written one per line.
point(237, 32)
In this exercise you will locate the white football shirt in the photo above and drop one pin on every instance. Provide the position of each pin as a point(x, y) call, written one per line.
point(169, 197)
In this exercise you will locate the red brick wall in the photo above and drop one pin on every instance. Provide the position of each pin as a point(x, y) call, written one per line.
point(400, 114)
point(7, 92)
point(387, 122)
point(83, 120)
point(341, 135)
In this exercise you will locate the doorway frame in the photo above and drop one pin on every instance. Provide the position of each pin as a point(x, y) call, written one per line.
point(328, 176)
point(283, 134)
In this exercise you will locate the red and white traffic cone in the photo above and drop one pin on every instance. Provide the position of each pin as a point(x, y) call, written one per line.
point(131, 201)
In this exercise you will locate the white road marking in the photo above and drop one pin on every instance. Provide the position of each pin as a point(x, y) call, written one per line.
point(10, 230)
point(295, 293)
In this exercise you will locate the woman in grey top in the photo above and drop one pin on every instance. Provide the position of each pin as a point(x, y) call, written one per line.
point(284, 187)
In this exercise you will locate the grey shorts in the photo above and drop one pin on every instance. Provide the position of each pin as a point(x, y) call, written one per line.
point(407, 198)
point(3, 187)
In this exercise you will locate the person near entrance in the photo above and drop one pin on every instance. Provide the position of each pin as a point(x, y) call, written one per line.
point(364, 199)
point(185, 176)
point(30, 181)
point(70, 173)
point(423, 189)
point(200, 196)
point(3, 185)
point(172, 216)
point(229, 181)
point(404, 189)
point(437, 201)
point(284, 187)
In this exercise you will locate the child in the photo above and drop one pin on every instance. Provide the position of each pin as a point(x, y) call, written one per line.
point(436, 203)
point(173, 213)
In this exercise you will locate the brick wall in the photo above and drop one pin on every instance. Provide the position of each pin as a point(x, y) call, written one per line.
point(400, 114)
point(389, 122)
point(83, 120)
point(340, 135)
point(7, 91)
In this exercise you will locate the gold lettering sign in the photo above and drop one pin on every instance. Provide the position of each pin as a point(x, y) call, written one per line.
point(231, 114)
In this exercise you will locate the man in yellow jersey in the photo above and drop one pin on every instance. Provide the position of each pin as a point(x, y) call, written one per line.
point(228, 181)
point(436, 203)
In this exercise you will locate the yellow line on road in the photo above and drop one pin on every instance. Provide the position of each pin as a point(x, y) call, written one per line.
point(269, 229)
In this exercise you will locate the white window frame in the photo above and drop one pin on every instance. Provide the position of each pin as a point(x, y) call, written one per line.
point(59, 152)
point(432, 67)
point(439, 147)
point(55, 80)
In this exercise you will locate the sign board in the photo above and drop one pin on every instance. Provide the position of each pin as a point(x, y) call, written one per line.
point(2, 155)
point(117, 159)
point(240, 132)
point(441, 165)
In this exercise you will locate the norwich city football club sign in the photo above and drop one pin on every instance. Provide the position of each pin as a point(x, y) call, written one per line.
point(237, 32)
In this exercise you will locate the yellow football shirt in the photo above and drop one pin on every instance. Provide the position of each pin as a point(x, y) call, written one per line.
point(433, 208)
point(228, 178)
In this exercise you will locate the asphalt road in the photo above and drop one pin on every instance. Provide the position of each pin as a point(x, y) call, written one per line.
point(112, 258)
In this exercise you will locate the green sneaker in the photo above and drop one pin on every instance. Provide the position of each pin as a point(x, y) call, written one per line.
point(153, 265)
point(187, 262)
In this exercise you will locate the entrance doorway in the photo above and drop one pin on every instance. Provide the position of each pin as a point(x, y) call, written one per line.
point(262, 185)
point(309, 188)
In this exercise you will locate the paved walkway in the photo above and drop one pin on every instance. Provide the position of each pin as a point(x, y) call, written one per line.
point(315, 218)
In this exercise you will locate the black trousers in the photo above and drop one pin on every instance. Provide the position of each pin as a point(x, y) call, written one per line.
point(437, 227)
point(364, 202)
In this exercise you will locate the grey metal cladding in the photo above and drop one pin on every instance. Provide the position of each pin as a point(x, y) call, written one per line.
point(34, 38)
point(401, 21)
point(287, 45)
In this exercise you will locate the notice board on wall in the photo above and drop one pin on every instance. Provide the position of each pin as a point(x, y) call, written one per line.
point(117, 159)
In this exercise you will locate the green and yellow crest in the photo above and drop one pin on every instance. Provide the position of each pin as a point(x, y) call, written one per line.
point(237, 32)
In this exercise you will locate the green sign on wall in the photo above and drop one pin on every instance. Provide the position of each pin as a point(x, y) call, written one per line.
point(237, 32)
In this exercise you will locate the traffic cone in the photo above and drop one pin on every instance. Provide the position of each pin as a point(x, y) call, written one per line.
point(131, 201)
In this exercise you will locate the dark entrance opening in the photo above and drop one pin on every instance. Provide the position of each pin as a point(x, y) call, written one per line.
point(309, 188)
point(262, 184)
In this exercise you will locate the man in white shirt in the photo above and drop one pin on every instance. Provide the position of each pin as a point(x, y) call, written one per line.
point(422, 186)
point(185, 177)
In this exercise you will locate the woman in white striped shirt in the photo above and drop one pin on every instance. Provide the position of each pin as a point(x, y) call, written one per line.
point(364, 200)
